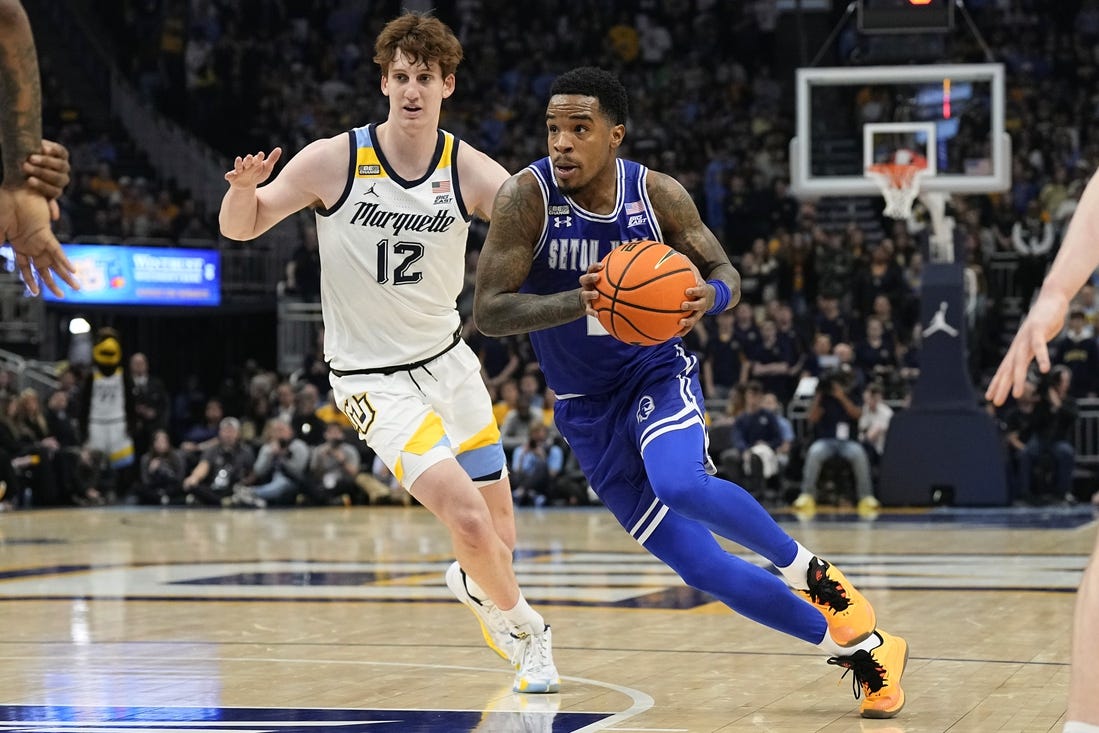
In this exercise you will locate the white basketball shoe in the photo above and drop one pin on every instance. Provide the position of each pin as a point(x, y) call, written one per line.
point(494, 627)
point(533, 659)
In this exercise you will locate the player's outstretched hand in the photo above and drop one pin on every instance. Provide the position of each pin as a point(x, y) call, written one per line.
point(25, 219)
point(1044, 321)
point(700, 299)
point(588, 281)
point(252, 170)
point(48, 172)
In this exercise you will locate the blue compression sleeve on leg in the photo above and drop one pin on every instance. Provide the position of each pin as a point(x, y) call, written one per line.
point(680, 481)
point(689, 548)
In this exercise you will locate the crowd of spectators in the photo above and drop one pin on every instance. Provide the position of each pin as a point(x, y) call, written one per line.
point(821, 304)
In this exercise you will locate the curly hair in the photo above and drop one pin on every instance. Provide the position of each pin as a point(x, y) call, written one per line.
point(588, 81)
point(422, 38)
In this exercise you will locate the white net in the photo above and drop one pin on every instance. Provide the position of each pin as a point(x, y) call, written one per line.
point(899, 184)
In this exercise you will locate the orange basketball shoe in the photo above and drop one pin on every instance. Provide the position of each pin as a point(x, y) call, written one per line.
point(878, 676)
point(849, 615)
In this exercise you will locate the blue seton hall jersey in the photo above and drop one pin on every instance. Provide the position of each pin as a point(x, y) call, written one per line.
point(581, 358)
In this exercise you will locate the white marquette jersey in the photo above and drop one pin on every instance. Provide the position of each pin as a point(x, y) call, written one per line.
point(392, 259)
point(108, 401)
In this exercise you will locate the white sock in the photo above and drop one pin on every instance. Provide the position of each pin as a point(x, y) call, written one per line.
point(1075, 726)
point(796, 572)
point(523, 618)
point(832, 649)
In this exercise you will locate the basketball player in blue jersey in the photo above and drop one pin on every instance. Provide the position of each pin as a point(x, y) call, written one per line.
point(634, 415)
point(393, 203)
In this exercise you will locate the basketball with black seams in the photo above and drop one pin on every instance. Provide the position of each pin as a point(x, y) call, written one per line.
point(641, 292)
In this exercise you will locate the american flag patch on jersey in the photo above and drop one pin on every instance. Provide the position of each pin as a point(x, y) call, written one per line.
point(634, 207)
point(440, 186)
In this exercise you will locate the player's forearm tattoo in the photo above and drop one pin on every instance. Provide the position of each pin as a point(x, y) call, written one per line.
point(684, 229)
point(517, 218)
point(21, 108)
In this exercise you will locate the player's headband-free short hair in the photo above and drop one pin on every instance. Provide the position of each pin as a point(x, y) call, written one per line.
point(589, 81)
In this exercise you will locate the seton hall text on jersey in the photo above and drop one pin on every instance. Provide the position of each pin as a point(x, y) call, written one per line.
point(370, 214)
point(573, 254)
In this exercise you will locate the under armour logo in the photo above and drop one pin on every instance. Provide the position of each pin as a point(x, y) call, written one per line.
point(562, 221)
point(938, 323)
point(371, 190)
point(645, 408)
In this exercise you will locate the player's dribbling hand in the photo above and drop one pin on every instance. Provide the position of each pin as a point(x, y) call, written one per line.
point(1042, 323)
point(588, 294)
point(252, 170)
point(700, 299)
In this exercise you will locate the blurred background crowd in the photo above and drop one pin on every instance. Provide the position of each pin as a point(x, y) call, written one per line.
point(824, 296)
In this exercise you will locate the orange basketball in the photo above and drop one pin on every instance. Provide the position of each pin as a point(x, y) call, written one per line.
point(641, 292)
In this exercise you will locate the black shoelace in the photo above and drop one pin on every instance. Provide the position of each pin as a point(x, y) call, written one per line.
point(823, 589)
point(868, 673)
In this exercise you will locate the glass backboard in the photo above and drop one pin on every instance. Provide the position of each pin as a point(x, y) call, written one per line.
point(849, 118)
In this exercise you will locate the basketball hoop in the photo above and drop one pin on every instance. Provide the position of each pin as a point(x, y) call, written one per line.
point(899, 182)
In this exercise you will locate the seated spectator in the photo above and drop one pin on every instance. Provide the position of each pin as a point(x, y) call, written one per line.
point(75, 470)
point(821, 358)
point(834, 415)
point(223, 465)
point(1078, 350)
point(333, 466)
point(380, 485)
point(279, 473)
point(724, 363)
point(831, 321)
point(534, 467)
point(1052, 425)
point(773, 363)
point(785, 429)
point(875, 355)
point(516, 428)
point(202, 436)
point(162, 472)
point(10, 447)
point(303, 271)
point(530, 387)
point(874, 422)
point(283, 408)
point(305, 423)
point(507, 399)
point(756, 440)
point(1016, 426)
point(39, 447)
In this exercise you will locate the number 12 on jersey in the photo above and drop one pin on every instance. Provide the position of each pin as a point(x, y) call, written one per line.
point(402, 255)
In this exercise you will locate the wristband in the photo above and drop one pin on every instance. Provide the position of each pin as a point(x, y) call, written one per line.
point(722, 295)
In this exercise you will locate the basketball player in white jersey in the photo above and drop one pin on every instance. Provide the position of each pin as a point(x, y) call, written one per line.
point(393, 203)
point(1077, 259)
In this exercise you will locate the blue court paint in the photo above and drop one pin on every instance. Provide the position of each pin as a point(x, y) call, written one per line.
point(32, 718)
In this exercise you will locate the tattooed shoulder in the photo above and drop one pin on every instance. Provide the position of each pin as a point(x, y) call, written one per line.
point(674, 207)
point(519, 210)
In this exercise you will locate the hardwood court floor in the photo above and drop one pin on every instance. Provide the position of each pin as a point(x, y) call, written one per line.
point(181, 620)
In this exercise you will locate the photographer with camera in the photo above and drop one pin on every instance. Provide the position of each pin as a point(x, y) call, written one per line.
point(534, 466)
point(1052, 423)
point(280, 469)
point(834, 416)
point(221, 466)
point(333, 466)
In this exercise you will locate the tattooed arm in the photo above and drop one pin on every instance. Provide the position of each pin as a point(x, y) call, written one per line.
point(20, 92)
point(498, 308)
point(684, 230)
